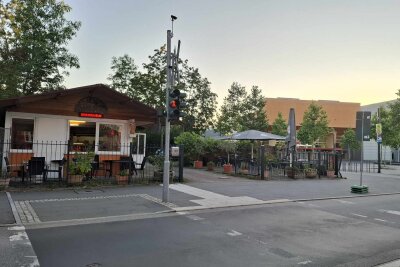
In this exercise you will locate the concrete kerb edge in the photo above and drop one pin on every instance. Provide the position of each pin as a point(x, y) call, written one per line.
point(14, 210)
point(270, 202)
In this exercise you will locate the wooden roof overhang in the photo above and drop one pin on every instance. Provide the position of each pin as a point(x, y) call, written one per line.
point(64, 102)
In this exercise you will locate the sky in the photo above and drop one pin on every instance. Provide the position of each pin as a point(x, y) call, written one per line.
point(345, 50)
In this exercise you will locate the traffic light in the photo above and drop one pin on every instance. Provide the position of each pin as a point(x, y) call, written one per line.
point(175, 103)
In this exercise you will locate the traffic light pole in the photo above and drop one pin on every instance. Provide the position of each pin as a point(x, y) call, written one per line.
point(165, 197)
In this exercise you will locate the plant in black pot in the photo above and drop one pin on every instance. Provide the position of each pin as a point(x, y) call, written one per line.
point(80, 167)
point(292, 171)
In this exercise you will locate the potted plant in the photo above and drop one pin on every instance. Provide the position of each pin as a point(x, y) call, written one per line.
point(80, 167)
point(228, 147)
point(244, 168)
point(4, 180)
point(330, 172)
point(198, 164)
point(193, 146)
point(158, 162)
point(291, 171)
point(122, 177)
point(210, 166)
point(310, 172)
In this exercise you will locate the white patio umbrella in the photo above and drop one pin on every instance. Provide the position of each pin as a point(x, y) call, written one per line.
point(254, 135)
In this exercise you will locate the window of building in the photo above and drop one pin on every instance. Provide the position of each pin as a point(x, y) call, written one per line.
point(22, 133)
point(109, 137)
point(82, 135)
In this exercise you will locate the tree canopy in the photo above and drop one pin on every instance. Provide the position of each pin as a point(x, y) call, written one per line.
point(314, 126)
point(279, 126)
point(33, 52)
point(148, 86)
point(390, 120)
point(241, 111)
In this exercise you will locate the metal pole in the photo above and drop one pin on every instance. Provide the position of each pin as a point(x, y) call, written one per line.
point(362, 146)
point(262, 161)
point(181, 154)
point(379, 144)
point(165, 196)
point(379, 157)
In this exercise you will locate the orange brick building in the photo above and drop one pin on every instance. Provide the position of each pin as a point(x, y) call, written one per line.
point(341, 115)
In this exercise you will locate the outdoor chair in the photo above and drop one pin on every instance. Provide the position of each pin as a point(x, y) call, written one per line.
point(36, 166)
point(142, 166)
point(126, 163)
point(11, 169)
point(98, 166)
point(57, 170)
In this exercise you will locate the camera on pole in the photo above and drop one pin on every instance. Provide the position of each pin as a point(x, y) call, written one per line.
point(176, 102)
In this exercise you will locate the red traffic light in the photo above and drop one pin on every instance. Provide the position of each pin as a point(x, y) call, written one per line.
point(173, 103)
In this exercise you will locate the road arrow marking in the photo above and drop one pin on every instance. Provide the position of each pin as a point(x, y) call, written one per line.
point(234, 233)
point(395, 212)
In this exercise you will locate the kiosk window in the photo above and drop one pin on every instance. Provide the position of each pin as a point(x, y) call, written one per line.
point(22, 133)
point(82, 135)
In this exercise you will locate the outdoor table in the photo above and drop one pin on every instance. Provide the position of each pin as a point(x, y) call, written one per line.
point(111, 161)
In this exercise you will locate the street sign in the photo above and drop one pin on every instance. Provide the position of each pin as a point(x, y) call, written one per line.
point(175, 151)
point(363, 125)
point(379, 139)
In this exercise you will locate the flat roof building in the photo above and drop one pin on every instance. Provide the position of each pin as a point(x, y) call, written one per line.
point(341, 115)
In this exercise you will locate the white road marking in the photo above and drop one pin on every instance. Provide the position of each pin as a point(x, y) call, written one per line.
point(395, 212)
point(195, 218)
point(380, 220)
point(313, 205)
point(190, 190)
point(344, 201)
point(20, 241)
point(395, 263)
point(234, 233)
point(304, 262)
point(181, 213)
point(359, 215)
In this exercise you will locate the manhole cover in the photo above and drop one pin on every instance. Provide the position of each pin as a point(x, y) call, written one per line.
point(93, 265)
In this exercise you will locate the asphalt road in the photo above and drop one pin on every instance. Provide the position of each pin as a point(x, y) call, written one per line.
point(343, 232)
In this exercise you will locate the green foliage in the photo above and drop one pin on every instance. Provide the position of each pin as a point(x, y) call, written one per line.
point(157, 161)
point(124, 172)
point(231, 110)
point(82, 164)
point(279, 126)
point(241, 111)
point(349, 140)
point(211, 146)
point(254, 116)
point(314, 126)
point(193, 144)
point(148, 86)
point(228, 147)
point(33, 46)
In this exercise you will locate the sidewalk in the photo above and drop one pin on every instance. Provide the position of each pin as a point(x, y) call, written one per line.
point(64, 207)
point(6, 215)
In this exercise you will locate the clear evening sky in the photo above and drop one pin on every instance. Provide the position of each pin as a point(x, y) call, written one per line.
point(346, 50)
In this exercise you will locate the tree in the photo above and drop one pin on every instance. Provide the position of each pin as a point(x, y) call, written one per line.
point(349, 141)
point(241, 111)
point(314, 126)
point(253, 116)
point(279, 126)
point(389, 118)
point(148, 86)
point(193, 145)
point(125, 72)
point(33, 39)
point(230, 117)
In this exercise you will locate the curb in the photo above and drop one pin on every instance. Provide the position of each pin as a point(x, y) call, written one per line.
point(14, 210)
